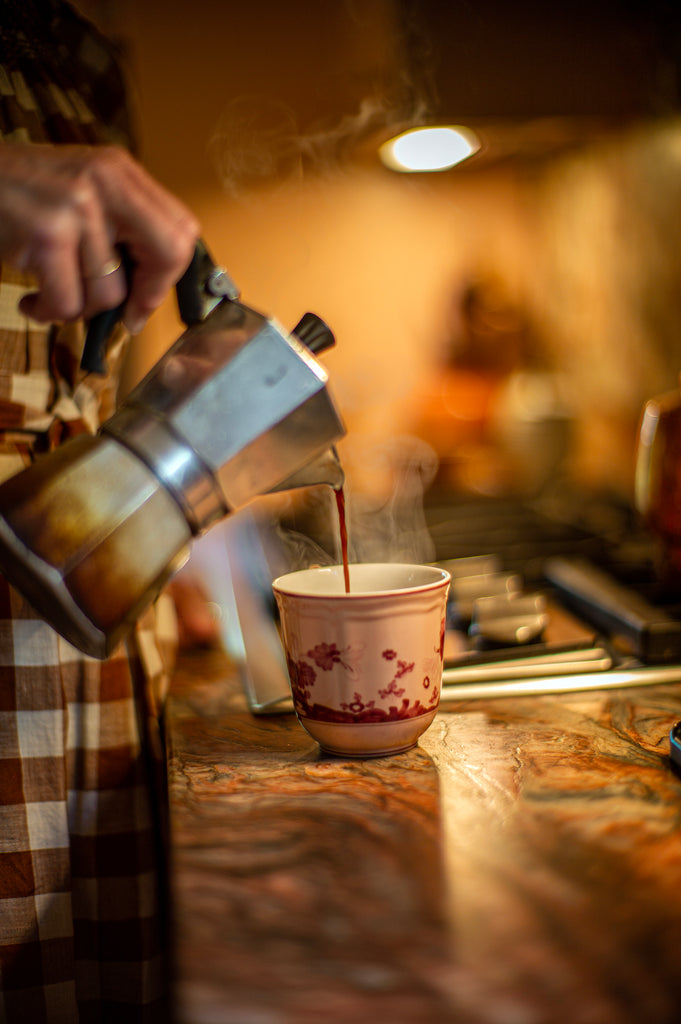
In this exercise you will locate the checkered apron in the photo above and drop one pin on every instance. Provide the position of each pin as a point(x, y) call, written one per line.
point(82, 800)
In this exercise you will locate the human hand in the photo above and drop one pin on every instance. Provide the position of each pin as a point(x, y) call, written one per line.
point(65, 213)
point(197, 623)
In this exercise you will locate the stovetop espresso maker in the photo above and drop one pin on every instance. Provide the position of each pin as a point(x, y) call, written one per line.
point(236, 408)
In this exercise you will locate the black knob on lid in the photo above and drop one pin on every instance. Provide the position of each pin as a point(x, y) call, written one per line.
point(314, 333)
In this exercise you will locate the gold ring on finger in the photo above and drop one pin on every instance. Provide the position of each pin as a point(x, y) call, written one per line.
point(109, 268)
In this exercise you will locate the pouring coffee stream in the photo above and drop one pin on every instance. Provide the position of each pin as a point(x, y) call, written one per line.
point(236, 408)
point(343, 528)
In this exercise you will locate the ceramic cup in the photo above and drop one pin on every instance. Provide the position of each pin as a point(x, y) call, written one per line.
point(365, 666)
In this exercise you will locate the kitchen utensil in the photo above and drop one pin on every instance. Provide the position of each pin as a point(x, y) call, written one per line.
point(652, 634)
point(501, 620)
point(237, 407)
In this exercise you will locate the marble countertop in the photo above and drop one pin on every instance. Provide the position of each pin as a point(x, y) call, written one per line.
point(522, 865)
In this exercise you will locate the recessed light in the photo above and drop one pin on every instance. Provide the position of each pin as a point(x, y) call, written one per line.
point(434, 148)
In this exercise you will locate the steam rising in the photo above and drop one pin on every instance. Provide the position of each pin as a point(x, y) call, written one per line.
point(396, 530)
point(391, 529)
point(352, 100)
point(259, 140)
point(236, 561)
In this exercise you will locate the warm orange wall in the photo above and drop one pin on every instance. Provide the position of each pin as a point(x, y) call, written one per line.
point(379, 256)
point(383, 257)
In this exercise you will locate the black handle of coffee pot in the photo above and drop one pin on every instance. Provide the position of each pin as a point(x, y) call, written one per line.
point(202, 286)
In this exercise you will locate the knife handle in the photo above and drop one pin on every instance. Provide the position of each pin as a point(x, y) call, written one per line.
point(653, 635)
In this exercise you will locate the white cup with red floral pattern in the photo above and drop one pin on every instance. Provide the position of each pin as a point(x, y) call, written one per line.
point(365, 665)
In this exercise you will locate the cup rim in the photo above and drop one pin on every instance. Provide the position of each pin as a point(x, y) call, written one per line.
point(285, 584)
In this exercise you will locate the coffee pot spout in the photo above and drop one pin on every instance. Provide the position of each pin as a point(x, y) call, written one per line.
point(326, 469)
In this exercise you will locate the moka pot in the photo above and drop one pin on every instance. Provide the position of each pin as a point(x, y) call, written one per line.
point(237, 407)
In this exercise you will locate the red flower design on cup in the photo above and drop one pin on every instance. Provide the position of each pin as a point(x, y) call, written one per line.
point(393, 689)
point(325, 656)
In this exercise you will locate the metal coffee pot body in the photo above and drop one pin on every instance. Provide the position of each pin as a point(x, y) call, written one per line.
point(236, 408)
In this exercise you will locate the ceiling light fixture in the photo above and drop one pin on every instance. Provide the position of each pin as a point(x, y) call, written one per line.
point(429, 149)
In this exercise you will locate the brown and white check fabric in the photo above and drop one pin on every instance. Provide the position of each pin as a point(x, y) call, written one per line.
point(81, 768)
point(81, 908)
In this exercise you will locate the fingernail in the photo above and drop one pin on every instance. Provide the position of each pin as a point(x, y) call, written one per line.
point(136, 326)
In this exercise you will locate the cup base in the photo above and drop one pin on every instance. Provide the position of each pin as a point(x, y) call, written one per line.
point(367, 739)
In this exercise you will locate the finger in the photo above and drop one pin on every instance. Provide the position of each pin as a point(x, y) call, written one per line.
point(68, 251)
point(149, 286)
point(104, 283)
point(66, 291)
point(137, 202)
point(157, 229)
point(59, 295)
point(160, 252)
point(105, 290)
point(46, 239)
